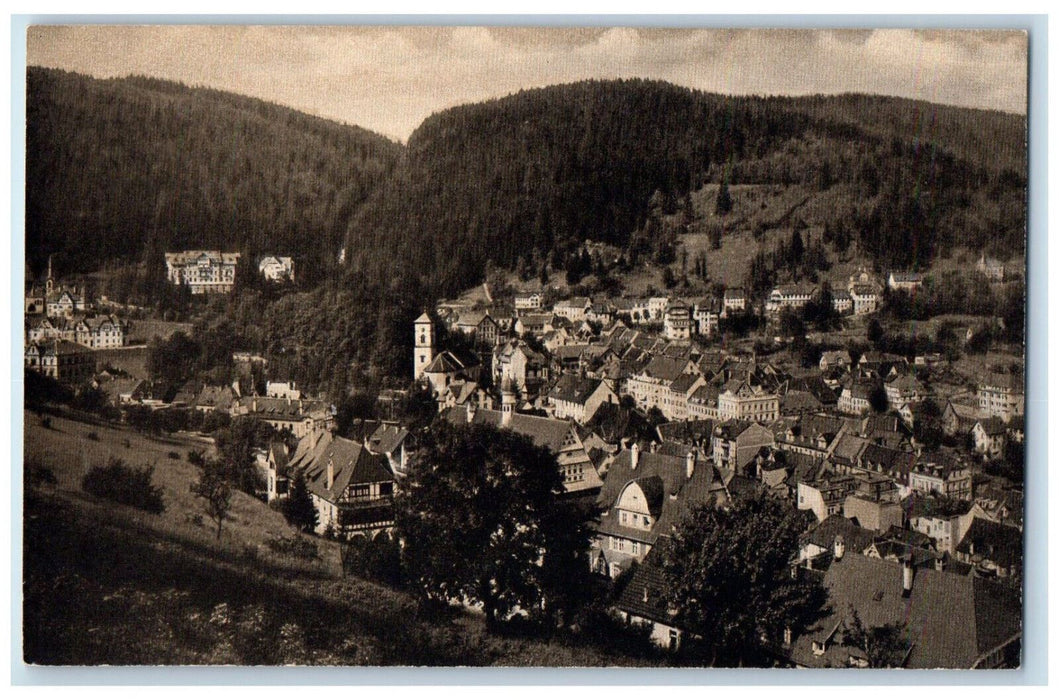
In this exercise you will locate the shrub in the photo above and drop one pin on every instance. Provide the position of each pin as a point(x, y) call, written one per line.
point(174, 455)
point(293, 546)
point(45, 422)
point(93, 436)
point(118, 482)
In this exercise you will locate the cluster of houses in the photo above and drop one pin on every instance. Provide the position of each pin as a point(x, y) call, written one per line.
point(61, 330)
point(902, 534)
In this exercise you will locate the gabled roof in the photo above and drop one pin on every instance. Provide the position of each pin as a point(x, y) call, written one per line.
point(544, 432)
point(857, 538)
point(667, 369)
point(352, 464)
point(994, 541)
point(574, 389)
point(952, 620)
point(387, 438)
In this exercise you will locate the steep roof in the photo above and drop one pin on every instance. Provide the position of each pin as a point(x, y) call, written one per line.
point(994, 541)
point(353, 464)
point(544, 432)
point(951, 620)
point(667, 369)
point(574, 389)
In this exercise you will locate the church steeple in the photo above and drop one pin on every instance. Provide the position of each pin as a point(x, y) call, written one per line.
point(423, 353)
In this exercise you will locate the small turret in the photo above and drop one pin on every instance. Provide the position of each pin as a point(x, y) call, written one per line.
point(507, 402)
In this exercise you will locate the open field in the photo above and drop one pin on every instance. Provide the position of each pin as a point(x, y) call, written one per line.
point(100, 575)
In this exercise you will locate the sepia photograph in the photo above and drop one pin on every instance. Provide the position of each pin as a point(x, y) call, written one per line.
point(398, 345)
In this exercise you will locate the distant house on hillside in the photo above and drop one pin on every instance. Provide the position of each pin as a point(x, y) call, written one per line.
point(203, 271)
point(992, 268)
point(905, 281)
point(276, 269)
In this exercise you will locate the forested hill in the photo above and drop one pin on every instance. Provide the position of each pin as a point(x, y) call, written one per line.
point(127, 168)
point(527, 178)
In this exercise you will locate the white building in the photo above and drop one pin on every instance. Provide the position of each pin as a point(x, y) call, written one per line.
point(276, 269)
point(204, 271)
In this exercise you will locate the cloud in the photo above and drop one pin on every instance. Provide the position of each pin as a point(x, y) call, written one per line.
point(390, 78)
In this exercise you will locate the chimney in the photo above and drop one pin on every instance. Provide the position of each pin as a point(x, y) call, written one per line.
point(907, 575)
point(253, 407)
point(645, 594)
point(689, 464)
point(939, 564)
point(840, 547)
point(787, 636)
point(635, 454)
point(330, 473)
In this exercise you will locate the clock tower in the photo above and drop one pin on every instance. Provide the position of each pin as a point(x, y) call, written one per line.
point(424, 345)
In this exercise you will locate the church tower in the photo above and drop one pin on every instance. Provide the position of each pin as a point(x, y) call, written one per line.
point(49, 284)
point(424, 345)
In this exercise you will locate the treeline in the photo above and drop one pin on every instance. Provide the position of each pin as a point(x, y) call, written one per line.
point(531, 176)
point(125, 169)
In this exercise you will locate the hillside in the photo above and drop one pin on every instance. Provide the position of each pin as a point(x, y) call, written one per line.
point(97, 575)
point(524, 180)
point(125, 169)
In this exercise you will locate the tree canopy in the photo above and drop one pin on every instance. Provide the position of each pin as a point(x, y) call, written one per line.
point(482, 522)
point(728, 575)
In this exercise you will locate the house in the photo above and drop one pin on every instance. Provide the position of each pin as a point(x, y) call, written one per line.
point(122, 391)
point(990, 437)
point(904, 389)
point(675, 405)
point(947, 620)
point(735, 444)
point(789, 296)
point(98, 332)
point(573, 309)
point(1002, 396)
point(214, 398)
point(820, 540)
point(301, 417)
point(992, 268)
point(65, 303)
point(61, 360)
point(856, 398)
point(54, 328)
point(282, 390)
point(448, 367)
point(707, 317)
point(276, 269)
point(528, 301)
point(825, 496)
point(480, 326)
point(524, 366)
point(559, 436)
point(959, 418)
point(578, 398)
point(649, 387)
point(943, 520)
point(677, 325)
point(393, 442)
point(277, 483)
point(841, 302)
point(734, 300)
point(535, 324)
point(994, 549)
point(742, 400)
point(644, 496)
point(941, 473)
point(642, 602)
point(351, 488)
point(203, 271)
point(904, 281)
point(865, 299)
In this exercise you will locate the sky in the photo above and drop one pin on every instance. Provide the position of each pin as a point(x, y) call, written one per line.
point(389, 79)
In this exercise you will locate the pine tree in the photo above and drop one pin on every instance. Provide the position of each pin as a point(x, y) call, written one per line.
point(299, 509)
point(724, 199)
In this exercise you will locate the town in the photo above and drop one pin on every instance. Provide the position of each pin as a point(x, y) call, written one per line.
point(896, 459)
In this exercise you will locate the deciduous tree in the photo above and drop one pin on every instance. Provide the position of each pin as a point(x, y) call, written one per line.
point(478, 519)
point(728, 576)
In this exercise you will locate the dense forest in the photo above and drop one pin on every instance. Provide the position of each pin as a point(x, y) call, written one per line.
point(535, 174)
point(124, 169)
point(120, 170)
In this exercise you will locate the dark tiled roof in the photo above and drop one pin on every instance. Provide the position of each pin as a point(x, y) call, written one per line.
point(857, 539)
point(993, 541)
point(574, 389)
point(353, 464)
point(952, 620)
